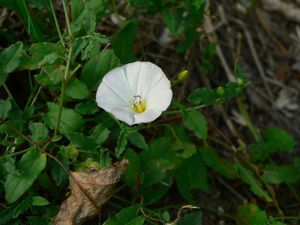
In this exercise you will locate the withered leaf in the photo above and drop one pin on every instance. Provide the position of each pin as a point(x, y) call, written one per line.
point(89, 191)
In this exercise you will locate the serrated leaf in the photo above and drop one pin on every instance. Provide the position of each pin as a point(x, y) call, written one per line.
point(255, 186)
point(123, 42)
point(81, 141)
point(5, 107)
point(191, 175)
point(195, 121)
point(121, 144)
point(27, 170)
point(70, 120)
point(86, 15)
point(44, 53)
point(124, 216)
point(251, 214)
point(97, 67)
point(76, 89)
point(10, 59)
point(272, 140)
point(203, 96)
point(39, 131)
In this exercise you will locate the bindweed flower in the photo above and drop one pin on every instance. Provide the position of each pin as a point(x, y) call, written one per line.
point(135, 93)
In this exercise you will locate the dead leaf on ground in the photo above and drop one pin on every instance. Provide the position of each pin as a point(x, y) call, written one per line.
point(89, 191)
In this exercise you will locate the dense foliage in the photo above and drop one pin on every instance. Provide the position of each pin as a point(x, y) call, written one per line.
point(51, 125)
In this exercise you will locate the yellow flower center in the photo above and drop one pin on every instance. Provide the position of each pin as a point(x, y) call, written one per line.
point(138, 106)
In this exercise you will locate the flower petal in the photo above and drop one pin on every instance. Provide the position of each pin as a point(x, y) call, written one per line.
point(159, 100)
point(106, 97)
point(122, 114)
point(160, 96)
point(151, 76)
point(142, 76)
point(116, 81)
point(148, 116)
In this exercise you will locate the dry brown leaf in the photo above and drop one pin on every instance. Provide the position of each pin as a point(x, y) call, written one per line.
point(89, 191)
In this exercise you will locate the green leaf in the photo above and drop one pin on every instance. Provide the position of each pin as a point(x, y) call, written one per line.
point(255, 186)
point(274, 174)
point(76, 89)
point(70, 120)
point(38, 220)
point(5, 107)
point(6, 215)
point(123, 42)
point(182, 145)
point(151, 5)
point(31, 23)
point(100, 134)
point(89, 46)
point(203, 96)
point(22, 207)
point(218, 164)
point(139, 220)
point(272, 140)
point(66, 155)
point(155, 171)
point(27, 170)
point(51, 76)
point(191, 175)
point(41, 54)
point(81, 141)
point(133, 170)
point(193, 218)
point(124, 216)
point(251, 214)
point(87, 107)
point(195, 121)
point(173, 20)
point(121, 144)
point(39, 131)
point(86, 165)
point(94, 70)
point(10, 60)
point(86, 15)
point(138, 140)
point(105, 159)
point(39, 201)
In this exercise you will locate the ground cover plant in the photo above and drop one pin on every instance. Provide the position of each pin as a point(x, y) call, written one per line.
point(149, 112)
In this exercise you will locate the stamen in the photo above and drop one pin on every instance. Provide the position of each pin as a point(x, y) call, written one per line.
point(138, 106)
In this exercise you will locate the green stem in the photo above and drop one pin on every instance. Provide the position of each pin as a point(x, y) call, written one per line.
point(67, 18)
point(56, 24)
point(247, 118)
point(186, 109)
point(62, 91)
point(8, 91)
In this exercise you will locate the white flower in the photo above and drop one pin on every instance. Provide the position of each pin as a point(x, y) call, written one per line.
point(135, 93)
